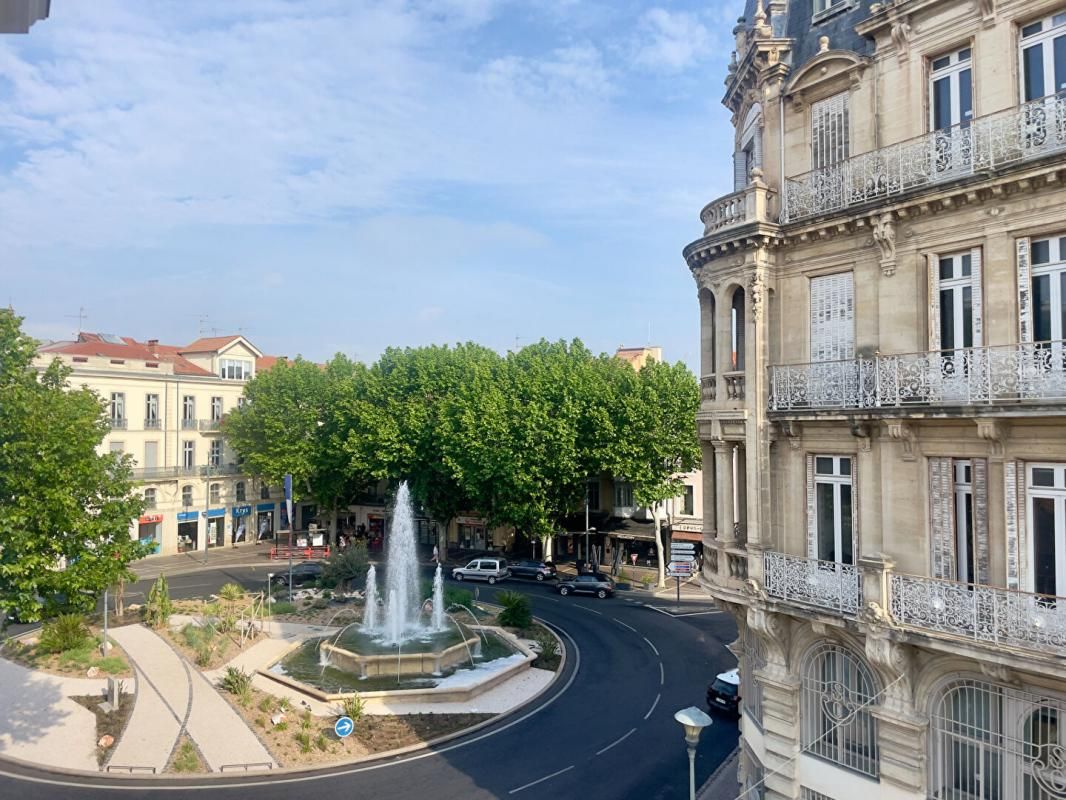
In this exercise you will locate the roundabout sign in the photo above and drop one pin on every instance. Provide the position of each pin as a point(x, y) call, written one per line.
point(343, 727)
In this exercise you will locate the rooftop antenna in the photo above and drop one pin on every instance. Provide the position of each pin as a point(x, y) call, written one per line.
point(81, 316)
point(202, 321)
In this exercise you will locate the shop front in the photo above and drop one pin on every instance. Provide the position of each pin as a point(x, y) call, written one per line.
point(216, 527)
point(264, 521)
point(242, 516)
point(188, 531)
point(150, 531)
point(473, 534)
point(375, 531)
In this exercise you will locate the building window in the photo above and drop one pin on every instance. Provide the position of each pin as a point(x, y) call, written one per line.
point(951, 90)
point(833, 509)
point(118, 409)
point(750, 688)
point(748, 154)
point(623, 495)
point(149, 498)
point(216, 493)
point(1043, 57)
point(688, 501)
point(117, 447)
point(752, 775)
point(264, 492)
point(991, 741)
point(736, 333)
point(151, 411)
point(810, 794)
point(833, 317)
point(1049, 288)
point(829, 131)
point(592, 492)
point(215, 454)
point(188, 411)
point(234, 369)
point(836, 696)
point(216, 409)
point(186, 496)
point(821, 6)
point(188, 454)
point(1047, 522)
point(238, 491)
point(956, 301)
point(240, 401)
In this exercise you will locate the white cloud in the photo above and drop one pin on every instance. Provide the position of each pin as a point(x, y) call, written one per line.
point(671, 41)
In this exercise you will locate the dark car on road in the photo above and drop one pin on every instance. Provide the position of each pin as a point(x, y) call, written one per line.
point(724, 692)
point(538, 570)
point(592, 583)
point(304, 574)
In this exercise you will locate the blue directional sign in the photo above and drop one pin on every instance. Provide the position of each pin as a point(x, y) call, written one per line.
point(343, 727)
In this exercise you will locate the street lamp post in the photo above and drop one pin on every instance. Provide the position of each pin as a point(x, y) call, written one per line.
point(694, 721)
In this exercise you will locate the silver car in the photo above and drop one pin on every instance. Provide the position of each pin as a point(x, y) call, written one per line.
point(483, 569)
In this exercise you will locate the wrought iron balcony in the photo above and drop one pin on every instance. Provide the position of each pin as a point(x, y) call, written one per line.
point(152, 423)
point(750, 204)
point(148, 473)
point(1002, 617)
point(188, 424)
point(1017, 135)
point(1034, 371)
point(210, 425)
point(117, 423)
point(823, 584)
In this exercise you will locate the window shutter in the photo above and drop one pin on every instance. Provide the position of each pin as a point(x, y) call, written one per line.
point(740, 170)
point(855, 509)
point(832, 317)
point(1014, 509)
point(942, 517)
point(980, 518)
point(829, 131)
point(932, 262)
point(757, 146)
point(1025, 318)
point(812, 533)
point(977, 297)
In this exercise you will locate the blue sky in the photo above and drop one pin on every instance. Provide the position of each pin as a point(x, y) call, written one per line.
point(345, 175)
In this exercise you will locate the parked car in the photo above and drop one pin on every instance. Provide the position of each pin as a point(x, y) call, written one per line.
point(539, 570)
point(724, 692)
point(596, 583)
point(483, 569)
point(306, 573)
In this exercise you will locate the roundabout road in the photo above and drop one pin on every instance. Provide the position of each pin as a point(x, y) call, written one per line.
point(604, 730)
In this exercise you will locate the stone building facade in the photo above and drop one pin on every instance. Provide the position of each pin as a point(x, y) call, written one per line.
point(883, 339)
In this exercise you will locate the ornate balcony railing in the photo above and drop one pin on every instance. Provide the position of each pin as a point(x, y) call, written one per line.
point(188, 424)
point(210, 424)
point(750, 204)
point(151, 423)
point(981, 613)
point(117, 423)
point(147, 473)
point(1032, 371)
point(824, 584)
point(1018, 134)
point(709, 388)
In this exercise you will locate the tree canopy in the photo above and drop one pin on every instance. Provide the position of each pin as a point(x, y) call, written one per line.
point(65, 508)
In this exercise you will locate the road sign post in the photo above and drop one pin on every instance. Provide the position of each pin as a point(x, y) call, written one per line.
point(343, 727)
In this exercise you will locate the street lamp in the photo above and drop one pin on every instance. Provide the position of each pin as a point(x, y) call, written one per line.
point(694, 721)
point(270, 581)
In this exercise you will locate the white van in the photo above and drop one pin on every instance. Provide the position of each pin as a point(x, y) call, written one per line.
point(483, 569)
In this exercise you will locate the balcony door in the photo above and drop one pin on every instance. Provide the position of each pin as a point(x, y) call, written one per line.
point(833, 372)
point(1043, 57)
point(1047, 528)
point(830, 509)
point(955, 326)
point(950, 112)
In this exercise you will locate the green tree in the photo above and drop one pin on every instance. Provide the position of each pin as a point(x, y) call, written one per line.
point(65, 509)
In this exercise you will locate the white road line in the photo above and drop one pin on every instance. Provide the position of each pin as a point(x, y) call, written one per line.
point(616, 741)
point(662, 674)
point(541, 780)
point(624, 625)
point(586, 608)
point(646, 639)
point(653, 705)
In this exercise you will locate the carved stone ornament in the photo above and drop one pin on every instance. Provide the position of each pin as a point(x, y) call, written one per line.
point(884, 233)
point(901, 36)
point(875, 614)
point(902, 432)
point(753, 589)
point(792, 431)
point(987, 9)
point(993, 431)
point(774, 630)
point(757, 289)
point(861, 431)
point(894, 663)
point(999, 673)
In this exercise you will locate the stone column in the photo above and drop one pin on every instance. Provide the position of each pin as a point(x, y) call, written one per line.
point(710, 494)
point(723, 468)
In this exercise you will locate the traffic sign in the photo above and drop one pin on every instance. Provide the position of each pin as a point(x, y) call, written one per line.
point(680, 567)
point(687, 558)
point(682, 547)
point(343, 727)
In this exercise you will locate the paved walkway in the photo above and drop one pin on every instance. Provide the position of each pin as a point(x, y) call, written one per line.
point(722, 785)
point(40, 723)
point(175, 698)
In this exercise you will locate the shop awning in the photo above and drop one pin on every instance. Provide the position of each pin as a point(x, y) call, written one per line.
point(631, 529)
point(686, 536)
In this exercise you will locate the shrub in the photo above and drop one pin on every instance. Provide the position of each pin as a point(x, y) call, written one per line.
point(646, 581)
point(454, 596)
point(231, 592)
point(112, 665)
point(322, 743)
point(236, 681)
point(516, 611)
point(351, 707)
point(204, 653)
point(65, 632)
point(305, 720)
point(346, 567)
point(285, 704)
point(282, 608)
point(266, 705)
point(186, 760)
point(303, 738)
point(282, 726)
point(159, 607)
point(320, 602)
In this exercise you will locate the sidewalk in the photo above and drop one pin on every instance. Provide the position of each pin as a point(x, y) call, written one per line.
point(722, 785)
point(246, 553)
point(172, 696)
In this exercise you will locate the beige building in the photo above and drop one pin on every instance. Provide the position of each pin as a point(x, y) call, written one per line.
point(883, 338)
point(165, 406)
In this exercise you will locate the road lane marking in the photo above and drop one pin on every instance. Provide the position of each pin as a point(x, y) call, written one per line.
point(662, 674)
point(541, 780)
point(586, 608)
point(624, 625)
point(646, 639)
point(653, 705)
point(616, 741)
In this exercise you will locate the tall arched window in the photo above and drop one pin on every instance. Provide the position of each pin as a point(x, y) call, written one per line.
point(736, 332)
point(186, 496)
point(238, 490)
point(264, 492)
point(994, 742)
point(707, 337)
point(837, 696)
point(748, 154)
point(216, 492)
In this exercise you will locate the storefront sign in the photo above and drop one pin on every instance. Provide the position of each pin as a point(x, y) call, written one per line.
point(150, 519)
point(242, 511)
point(265, 507)
point(188, 516)
point(469, 521)
point(215, 512)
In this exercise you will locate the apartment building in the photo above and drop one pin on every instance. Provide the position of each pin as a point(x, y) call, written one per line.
point(165, 406)
point(883, 418)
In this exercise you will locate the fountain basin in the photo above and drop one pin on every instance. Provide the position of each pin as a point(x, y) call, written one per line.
point(390, 664)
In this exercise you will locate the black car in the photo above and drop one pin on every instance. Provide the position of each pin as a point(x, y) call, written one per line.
point(539, 570)
point(724, 692)
point(307, 573)
point(595, 583)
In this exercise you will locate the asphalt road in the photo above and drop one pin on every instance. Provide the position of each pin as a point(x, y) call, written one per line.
point(607, 730)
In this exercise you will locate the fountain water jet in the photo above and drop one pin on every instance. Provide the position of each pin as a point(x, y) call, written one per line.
point(370, 610)
point(402, 606)
point(437, 620)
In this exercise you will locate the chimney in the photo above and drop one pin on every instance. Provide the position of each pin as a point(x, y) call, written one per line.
point(153, 344)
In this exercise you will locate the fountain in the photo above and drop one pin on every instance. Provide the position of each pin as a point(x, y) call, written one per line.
point(370, 610)
point(438, 600)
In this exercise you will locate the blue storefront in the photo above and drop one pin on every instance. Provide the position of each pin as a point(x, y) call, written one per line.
point(242, 517)
point(264, 520)
point(216, 527)
point(188, 530)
